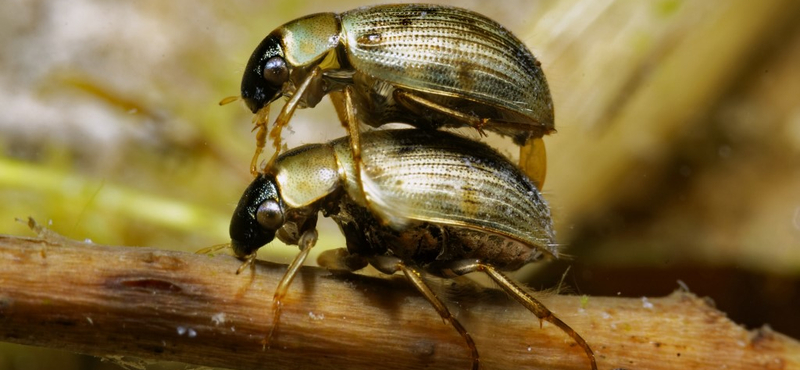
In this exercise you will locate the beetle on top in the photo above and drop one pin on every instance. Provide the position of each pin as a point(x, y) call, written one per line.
point(429, 66)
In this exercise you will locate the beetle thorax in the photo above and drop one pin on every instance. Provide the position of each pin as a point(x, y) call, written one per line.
point(311, 40)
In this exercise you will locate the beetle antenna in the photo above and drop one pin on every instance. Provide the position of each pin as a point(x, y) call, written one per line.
point(229, 99)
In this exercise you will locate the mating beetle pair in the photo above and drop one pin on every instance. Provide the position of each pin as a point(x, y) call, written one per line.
point(421, 200)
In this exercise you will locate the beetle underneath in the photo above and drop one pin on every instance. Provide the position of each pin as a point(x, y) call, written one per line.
point(442, 204)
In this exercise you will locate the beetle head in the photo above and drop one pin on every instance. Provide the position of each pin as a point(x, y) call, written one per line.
point(265, 74)
point(259, 214)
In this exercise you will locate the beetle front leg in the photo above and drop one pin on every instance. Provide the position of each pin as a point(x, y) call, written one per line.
point(283, 120)
point(464, 267)
point(307, 241)
point(390, 265)
point(249, 261)
point(259, 124)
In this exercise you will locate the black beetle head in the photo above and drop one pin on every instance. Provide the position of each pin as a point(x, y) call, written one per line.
point(265, 74)
point(257, 217)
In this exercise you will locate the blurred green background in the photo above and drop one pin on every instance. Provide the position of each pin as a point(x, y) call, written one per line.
point(677, 155)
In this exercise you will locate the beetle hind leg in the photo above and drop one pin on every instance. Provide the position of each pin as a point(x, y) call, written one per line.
point(390, 265)
point(533, 160)
point(409, 99)
point(459, 268)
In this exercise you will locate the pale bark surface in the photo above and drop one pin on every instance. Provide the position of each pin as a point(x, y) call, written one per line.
point(155, 304)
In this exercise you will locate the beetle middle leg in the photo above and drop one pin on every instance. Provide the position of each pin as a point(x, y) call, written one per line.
point(343, 102)
point(306, 242)
point(341, 259)
point(390, 265)
point(463, 267)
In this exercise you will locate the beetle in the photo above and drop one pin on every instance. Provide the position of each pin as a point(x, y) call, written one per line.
point(449, 206)
point(429, 66)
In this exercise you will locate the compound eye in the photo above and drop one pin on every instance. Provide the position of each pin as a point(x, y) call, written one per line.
point(275, 71)
point(270, 215)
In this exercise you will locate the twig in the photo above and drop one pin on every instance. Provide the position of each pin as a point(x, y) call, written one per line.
point(155, 304)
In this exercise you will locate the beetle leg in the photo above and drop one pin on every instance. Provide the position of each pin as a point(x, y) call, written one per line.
point(283, 118)
point(463, 267)
point(533, 160)
point(532, 155)
point(260, 124)
point(345, 109)
point(337, 98)
point(355, 140)
point(476, 122)
point(306, 242)
point(249, 260)
point(390, 265)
